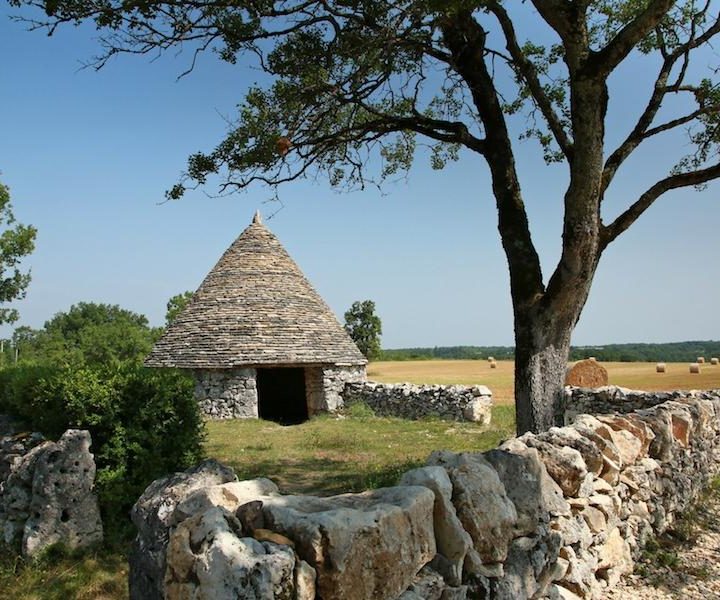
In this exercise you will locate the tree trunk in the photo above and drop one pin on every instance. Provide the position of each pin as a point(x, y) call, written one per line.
point(542, 346)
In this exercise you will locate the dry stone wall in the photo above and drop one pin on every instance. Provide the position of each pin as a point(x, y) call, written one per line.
point(325, 385)
point(408, 401)
point(559, 515)
point(227, 394)
point(46, 492)
point(616, 399)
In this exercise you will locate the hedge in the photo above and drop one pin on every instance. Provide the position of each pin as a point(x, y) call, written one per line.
point(144, 423)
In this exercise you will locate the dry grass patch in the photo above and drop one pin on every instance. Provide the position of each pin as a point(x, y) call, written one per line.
point(60, 575)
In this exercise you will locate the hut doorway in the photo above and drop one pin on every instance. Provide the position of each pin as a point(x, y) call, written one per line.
point(281, 395)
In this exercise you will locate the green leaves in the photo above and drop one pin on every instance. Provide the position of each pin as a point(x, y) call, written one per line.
point(364, 327)
point(144, 423)
point(88, 334)
point(16, 242)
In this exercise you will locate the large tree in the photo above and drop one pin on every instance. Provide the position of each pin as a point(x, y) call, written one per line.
point(364, 327)
point(353, 77)
point(88, 334)
point(16, 242)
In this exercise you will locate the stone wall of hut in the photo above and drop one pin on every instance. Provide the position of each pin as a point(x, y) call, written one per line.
point(324, 386)
point(227, 394)
point(232, 394)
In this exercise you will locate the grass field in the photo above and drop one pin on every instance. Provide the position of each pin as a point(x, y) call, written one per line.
point(328, 455)
point(500, 380)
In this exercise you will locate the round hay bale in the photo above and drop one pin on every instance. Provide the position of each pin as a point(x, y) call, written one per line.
point(714, 361)
point(660, 368)
point(700, 360)
point(587, 373)
point(491, 359)
point(694, 368)
point(493, 365)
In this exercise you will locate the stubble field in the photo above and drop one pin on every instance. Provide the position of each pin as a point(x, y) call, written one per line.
point(634, 375)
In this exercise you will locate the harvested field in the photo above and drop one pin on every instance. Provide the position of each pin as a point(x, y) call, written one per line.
point(635, 375)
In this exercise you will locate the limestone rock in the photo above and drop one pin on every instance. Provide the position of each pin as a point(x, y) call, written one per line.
point(569, 436)
point(479, 410)
point(152, 515)
point(48, 495)
point(212, 561)
point(615, 553)
point(564, 464)
point(362, 546)
point(427, 585)
point(451, 539)
point(535, 495)
point(228, 495)
point(304, 581)
point(481, 502)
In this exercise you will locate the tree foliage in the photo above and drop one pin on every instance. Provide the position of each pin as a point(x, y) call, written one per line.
point(144, 423)
point(364, 327)
point(175, 306)
point(353, 79)
point(16, 242)
point(88, 334)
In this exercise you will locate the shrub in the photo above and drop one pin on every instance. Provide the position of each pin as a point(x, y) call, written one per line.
point(144, 423)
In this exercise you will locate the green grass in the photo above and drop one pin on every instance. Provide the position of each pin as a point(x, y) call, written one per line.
point(329, 455)
point(58, 575)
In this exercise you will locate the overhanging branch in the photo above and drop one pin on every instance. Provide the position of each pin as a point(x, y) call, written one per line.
point(681, 180)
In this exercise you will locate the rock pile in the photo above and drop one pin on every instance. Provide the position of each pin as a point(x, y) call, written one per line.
point(46, 492)
point(560, 515)
point(408, 401)
point(616, 399)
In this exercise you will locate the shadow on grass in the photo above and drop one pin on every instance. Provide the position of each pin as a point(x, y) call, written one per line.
point(327, 456)
point(324, 476)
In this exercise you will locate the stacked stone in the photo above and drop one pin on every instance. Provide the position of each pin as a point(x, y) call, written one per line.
point(615, 399)
point(46, 492)
point(408, 401)
point(559, 515)
point(227, 394)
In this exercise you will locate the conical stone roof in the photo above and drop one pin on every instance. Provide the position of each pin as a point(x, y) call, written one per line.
point(254, 308)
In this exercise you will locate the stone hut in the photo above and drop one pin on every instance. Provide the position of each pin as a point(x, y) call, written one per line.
point(259, 339)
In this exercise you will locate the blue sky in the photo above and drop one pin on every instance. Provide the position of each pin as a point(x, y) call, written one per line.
point(88, 156)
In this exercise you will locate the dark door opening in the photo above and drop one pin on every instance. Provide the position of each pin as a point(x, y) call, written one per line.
point(281, 395)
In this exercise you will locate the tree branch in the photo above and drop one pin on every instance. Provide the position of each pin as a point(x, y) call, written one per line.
point(529, 73)
point(604, 61)
point(626, 219)
point(466, 41)
point(640, 132)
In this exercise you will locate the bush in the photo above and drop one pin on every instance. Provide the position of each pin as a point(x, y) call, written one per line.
point(144, 423)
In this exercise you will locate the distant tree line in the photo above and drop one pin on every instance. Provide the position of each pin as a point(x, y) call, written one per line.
point(636, 352)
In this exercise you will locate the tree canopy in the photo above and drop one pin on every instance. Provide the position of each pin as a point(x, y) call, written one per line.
point(347, 80)
point(16, 242)
point(88, 334)
point(175, 306)
point(364, 327)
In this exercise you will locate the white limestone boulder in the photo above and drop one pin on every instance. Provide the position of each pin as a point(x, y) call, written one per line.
point(451, 539)
point(366, 546)
point(481, 502)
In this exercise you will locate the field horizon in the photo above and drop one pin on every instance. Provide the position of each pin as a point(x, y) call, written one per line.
point(500, 380)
